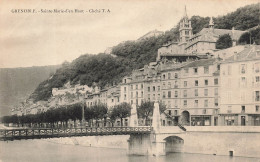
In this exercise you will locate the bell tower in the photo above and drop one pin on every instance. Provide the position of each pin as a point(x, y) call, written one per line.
point(185, 30)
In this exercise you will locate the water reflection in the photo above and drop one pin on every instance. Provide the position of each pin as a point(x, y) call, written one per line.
point(43, 151)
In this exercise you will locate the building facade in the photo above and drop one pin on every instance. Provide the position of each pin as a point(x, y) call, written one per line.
point(240, 88)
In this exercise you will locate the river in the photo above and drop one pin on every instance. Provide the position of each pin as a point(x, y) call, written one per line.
point(44, 151)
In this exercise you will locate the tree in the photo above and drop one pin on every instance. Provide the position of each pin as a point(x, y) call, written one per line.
point(88, 114)
point(253, 36)
point(99, 112)
point(224, 41)
point(120, 111)
point(145, 110)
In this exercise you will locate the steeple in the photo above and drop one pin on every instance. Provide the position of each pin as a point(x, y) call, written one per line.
point(211, 23)
point(185, 13)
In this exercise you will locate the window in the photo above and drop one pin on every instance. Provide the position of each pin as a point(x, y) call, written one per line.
point(142, 86)
point(176, 75)
point(153, 88)
point(148, 89)
point(196, 82)
point(164, 94)
point(132, 101)
point(175, 84)
point(257, 67)
point(185, 93)
point(153, 96)
point(131, 87)
point(169, 94)
point(112, 100)
point(169, 104)
point(216, 101)
point(206, 82)
point(196, 92)
point(176, 94)
point(229, 109)
point(136, 95)
point(170, 112)
point(206, 102)
point(169, 75)
point(185, 83)
point(243, 81)
point(136, 86)
point(142, 94)
point(242, 68)
point(124, 80)
point(132, 95)
point(124, 89)
point(196, 103)
point(163, 76)
point(216, 81)
point(149, 96)
point(257, 79)
point(169, 84)
point(204, 111)
point(195, 70)
point(159, 88)
point(159, 96)
point(257, 96)
point(125, 97)
point(205, 92)
point(136, 101)
point(206, 70)
point(175, 112)
point(163, 84)
point(257, 108)
point(243, 108)
point(216, 91)
point(185, 103)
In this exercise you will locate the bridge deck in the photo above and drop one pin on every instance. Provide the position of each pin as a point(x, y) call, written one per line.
point(16, 134)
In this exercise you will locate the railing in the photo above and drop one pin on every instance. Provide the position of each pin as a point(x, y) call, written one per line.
point(14, 134)
point(180, 126)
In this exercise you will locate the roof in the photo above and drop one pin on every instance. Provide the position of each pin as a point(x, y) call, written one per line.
point(204, 62)
point(209, 35)
point(249, 53)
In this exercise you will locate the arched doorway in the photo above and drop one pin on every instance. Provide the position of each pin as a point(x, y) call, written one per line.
point(185, 118)
point(174, 144)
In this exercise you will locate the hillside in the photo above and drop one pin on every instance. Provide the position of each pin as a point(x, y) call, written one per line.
point(16, 84)
point(105, 69)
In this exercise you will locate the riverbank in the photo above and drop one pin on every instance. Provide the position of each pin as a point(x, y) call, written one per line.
point(118, 141)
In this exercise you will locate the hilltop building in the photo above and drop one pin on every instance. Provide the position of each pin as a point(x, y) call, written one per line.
point(198, 45)
point(154, 33)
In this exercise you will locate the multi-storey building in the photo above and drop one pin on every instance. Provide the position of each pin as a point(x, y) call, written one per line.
point(190, 91)
point(240, 88)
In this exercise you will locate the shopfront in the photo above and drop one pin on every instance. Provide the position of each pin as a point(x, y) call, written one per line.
point(200, 120)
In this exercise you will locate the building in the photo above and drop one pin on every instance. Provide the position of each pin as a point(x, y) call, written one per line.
point(195, 45)
point(240, 88)
point(154, 33)
point(190, 91)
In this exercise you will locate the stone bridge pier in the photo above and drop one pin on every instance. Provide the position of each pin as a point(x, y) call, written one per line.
point(150, 143)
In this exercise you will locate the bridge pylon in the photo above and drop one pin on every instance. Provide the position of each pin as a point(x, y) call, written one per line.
point(133, 117)
point(156, 124)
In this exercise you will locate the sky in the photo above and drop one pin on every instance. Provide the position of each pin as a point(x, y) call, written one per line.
point(39, 39)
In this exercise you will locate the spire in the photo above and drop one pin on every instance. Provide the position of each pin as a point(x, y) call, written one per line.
point(211, 22)
point(185, 12)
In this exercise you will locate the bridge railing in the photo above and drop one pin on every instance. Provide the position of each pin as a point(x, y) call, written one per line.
point(68, 132)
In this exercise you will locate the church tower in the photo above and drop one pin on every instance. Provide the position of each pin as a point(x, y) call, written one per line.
point(185, 30)
point(211, 24)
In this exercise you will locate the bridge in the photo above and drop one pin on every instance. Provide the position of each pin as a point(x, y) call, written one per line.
point(159, 140)
point(37, 133)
